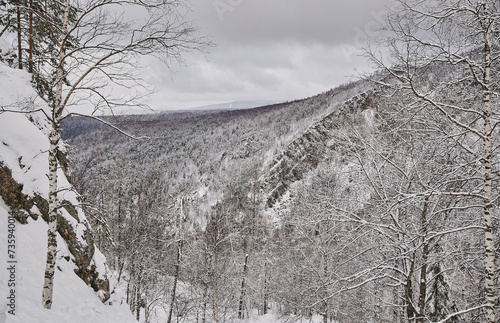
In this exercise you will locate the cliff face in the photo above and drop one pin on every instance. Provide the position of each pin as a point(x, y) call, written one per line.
point(76, 232)
point(304, 153)
point(24, 187)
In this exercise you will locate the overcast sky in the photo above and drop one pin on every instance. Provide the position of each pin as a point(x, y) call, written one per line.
point(268, 50)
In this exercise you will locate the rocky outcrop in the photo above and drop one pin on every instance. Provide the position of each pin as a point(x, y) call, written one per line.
point(304, 153)
point(24, 182)
point(81, 247)
point(12, 194)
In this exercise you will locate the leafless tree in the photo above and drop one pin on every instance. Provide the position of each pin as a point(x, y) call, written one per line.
point(444, 54)
point(99, 47)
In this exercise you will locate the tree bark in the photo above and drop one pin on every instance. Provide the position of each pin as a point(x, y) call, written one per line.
point(176, 277)
point(241, 308)
point(30, 60)
point(325, 286)
point(265, 294)
point(410, 309)
point(489, 281)
point(19, 40)
point(216, 309)
point(137, 303)
point(48, 284)
point(54, 138)
point(204, 306)
point(423, 269)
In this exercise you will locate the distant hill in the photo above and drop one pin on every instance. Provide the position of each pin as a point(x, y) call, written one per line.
point(236, 105)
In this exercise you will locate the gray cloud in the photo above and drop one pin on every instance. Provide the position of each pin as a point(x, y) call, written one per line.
point(269, 50)
point(276, 20)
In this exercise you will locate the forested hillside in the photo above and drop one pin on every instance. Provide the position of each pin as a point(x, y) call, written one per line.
point(202, 180)
point(349, 206)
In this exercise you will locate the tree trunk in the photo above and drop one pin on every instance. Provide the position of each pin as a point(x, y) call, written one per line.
point(489, 281)
point(30, 60)
point(146, 310)
point(137, 303)
point(176, 277)
point(54, 138)
point(325, 286)
point(204, 307)
point(265, 294)
point(48, 283)
point(410, 309)
point(423, 269)
point(241, 308)
point(120, 251)
point(19, 40)
point(216, 309)
point(128, 293)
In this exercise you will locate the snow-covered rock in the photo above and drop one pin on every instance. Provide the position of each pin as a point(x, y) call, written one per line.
point(82, 279)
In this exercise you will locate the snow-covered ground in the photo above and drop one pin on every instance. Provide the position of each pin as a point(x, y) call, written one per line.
point(23, 148)
point(73, 301)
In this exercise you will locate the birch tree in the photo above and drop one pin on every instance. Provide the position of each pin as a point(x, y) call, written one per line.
point(404, 164)
point(444, 54)
point(104, 56)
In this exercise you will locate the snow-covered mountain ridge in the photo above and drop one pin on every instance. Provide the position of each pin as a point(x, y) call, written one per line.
point(282, 207)
point(304, 153)
point(192, 146)
point(235, 105)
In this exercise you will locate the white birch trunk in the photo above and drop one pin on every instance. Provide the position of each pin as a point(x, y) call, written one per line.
point(54, 137)
point(52, 230)
point(489, 280)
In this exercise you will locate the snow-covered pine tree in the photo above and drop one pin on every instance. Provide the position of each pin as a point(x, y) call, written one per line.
point(438, 292)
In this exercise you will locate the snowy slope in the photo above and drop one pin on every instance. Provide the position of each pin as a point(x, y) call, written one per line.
point(23, 149)
point(74, 301)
